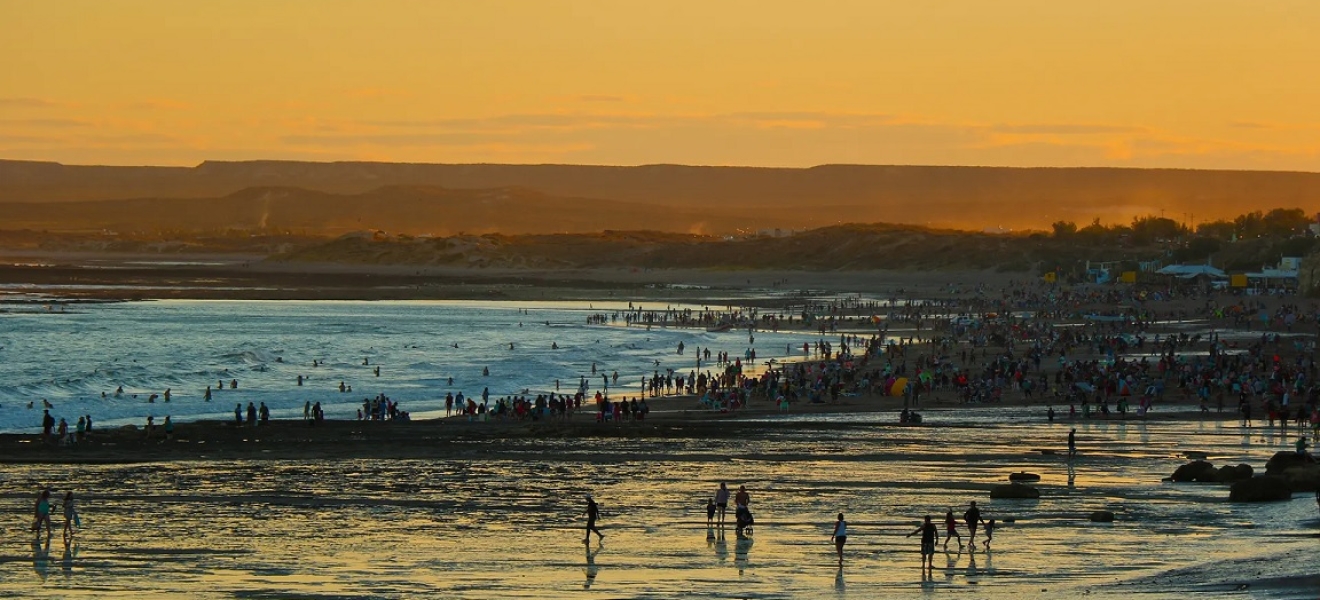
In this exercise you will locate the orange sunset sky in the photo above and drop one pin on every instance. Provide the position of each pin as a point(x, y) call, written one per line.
point(1167, 83)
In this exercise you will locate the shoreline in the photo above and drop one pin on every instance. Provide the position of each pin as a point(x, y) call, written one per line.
point(450, 437)
point(972, 295)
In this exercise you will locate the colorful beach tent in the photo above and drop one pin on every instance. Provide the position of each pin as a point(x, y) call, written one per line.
point(900, 384)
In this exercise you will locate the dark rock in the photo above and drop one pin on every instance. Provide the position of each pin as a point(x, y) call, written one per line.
point(1102, 516)
point(1230, 473)
point(1282, 461)
point(1023, 476)
point(1304, 478)
point(1197, 470)
point(1267, 488)
point(1014, 490)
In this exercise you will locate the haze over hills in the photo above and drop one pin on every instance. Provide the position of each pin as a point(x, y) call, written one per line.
point(405, 209)
point(440, 198)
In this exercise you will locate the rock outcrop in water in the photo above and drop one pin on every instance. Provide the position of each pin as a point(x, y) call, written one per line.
point(1284, 460)
point(1266, 488)
point(1300, 471)
point(1230, 473)
point(1197, 470)
point(1014, 490)
point(1201, 471)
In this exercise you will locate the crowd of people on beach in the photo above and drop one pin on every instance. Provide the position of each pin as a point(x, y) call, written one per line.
point(1030, 342)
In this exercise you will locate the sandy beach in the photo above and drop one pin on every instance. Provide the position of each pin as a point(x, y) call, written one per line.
point(443, 483)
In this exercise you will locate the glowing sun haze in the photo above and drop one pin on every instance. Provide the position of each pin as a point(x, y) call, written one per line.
point(1199, 84)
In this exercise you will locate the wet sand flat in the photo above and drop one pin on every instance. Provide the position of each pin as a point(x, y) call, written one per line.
point(500, 516)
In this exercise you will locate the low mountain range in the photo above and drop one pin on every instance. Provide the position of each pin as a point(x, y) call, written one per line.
point(419, 199)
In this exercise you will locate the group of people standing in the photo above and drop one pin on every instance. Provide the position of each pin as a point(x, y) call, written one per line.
point(717, 507)
point(61, 435)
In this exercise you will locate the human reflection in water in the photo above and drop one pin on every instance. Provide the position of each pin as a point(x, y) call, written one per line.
point(66, 563)
point(591, 569)
point(740, 551)
point(952, 563)
point(971, 564)
point(721, 547)
point(1072, 475)
point(838, 580)
point(41, 557)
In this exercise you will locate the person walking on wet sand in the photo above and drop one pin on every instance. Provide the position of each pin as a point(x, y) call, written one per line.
point(1072, 442)
point(722, 500)
point(71, 520)
point(951, 530)
point(929, 536)
point(972, 518)
point(840, 536)
point(593, 512)
point(42, 513)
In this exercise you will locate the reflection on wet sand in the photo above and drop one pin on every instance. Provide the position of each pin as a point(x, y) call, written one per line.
point(41, 557)
point(741, 553)
point(716, 541)
point(501, 521)
point(66, 562)
point(591, 569)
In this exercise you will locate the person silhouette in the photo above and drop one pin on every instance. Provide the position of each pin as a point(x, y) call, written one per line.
point(593, 512)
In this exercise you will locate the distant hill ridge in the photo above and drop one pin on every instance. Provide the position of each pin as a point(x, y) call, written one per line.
point(406, 209)
point(939, 196)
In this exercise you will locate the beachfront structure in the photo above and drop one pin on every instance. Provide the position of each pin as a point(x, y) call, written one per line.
point(1286, 275)
point(1193, 272)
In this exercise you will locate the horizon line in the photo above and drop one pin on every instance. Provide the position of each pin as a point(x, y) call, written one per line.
point(650, 165)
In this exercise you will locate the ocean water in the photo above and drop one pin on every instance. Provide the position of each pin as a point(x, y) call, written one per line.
point(72, 355)
point(509, 525)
